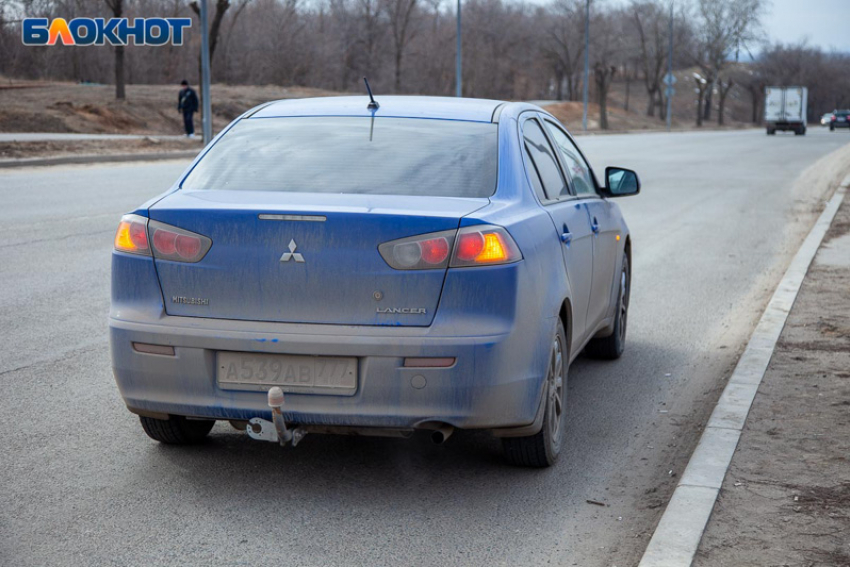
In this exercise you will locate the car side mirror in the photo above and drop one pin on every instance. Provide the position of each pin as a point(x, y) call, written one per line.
point(621, 182)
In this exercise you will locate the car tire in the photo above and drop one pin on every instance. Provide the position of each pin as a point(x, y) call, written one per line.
point(612, 346)
point(771, 132)
point(542, 449)
point(177, 430)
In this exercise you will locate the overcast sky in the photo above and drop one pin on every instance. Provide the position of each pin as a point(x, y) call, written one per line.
point(825, 23)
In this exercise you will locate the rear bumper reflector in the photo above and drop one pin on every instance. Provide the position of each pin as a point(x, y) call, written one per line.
point(424, 362)
point(146, 348)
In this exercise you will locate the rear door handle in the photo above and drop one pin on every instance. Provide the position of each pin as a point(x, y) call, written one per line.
point(594, 226)
point(566, 235)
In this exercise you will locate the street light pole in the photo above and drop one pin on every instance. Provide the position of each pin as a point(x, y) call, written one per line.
point(586, 61)
point(458, 85)
point(670, 73)
point(205, 74)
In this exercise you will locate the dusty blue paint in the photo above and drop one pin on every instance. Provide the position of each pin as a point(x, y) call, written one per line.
point(496, 321)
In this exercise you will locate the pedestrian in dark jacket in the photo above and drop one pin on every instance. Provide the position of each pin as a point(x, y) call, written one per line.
point(187, 103)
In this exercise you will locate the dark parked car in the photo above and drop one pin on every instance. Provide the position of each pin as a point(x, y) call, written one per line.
point(840, 119)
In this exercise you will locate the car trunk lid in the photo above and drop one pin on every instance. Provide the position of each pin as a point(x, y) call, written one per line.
point(304, 258)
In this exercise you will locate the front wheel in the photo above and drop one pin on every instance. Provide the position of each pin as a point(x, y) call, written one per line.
point(612, 346)
point(542, 449)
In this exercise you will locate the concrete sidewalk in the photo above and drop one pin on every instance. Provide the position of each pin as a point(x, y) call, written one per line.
point(785, 500)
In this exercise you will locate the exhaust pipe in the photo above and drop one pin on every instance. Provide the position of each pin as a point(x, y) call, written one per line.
point(442, 433)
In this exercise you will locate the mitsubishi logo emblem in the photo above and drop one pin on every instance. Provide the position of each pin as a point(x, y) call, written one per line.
point(287, 256)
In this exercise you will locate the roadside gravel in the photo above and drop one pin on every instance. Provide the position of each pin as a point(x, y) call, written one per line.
point(785, 500)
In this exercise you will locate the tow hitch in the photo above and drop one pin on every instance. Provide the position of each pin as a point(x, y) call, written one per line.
point(275, 430)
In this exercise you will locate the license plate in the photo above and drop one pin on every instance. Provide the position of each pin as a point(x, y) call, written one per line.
point(293, 373)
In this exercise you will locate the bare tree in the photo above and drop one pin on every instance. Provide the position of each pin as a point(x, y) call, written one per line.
point(651, 24)
point(400, 13)
point(724, 86)
point(606, 51)
point(724, 28)
point(221, 7)
point(564, 44)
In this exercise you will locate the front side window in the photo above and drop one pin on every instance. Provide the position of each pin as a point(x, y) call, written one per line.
point(579, 170)
point(352, 154)
point(544, 161)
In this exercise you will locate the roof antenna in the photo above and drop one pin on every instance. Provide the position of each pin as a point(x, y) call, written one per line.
point(373, 105)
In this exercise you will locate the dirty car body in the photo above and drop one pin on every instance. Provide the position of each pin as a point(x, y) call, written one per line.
point(389, 269)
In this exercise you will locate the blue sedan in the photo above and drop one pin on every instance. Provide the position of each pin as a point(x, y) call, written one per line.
point(338, 266)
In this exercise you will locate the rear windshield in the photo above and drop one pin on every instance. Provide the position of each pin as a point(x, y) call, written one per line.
point(385, 156)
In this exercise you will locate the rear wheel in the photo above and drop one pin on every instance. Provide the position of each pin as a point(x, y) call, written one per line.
point(612, 346)
point(771, 131)
point(177, 430)
point(542, 449)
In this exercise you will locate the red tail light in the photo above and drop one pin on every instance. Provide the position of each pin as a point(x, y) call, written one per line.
point(484, 245)
point(176, 244)
point(470, 246)
point(169, 242)
point(434, 251)
point(425, 252)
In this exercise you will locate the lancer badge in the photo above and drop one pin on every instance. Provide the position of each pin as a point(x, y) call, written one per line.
point(287, 256)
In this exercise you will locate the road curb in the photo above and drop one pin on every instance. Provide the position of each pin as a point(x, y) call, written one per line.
point(678, 534)
point(93, 158)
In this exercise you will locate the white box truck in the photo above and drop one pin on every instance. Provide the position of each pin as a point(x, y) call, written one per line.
point(785, 109)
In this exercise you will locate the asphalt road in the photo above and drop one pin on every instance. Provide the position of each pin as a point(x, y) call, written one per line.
point(80, 483)
point(55, 137)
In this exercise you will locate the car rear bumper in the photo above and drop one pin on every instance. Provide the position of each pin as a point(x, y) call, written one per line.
point(491, 384)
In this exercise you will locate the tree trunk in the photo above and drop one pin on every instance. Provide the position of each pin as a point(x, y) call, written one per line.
point(724, 92)
point(707, 101)
point(650, 108)
point(755, 97)
point(628, 83)
point(120, 93)
point(701, 88)
point(559, 82)
point(603, 75)
point(398, 56)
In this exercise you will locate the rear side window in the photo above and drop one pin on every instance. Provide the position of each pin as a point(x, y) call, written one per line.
point(543, 159)
point(384, 156)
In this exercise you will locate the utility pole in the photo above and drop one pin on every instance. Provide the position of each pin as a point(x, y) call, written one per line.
point(670, 74)
point(586, 61)
point(458, 85)
point(205, 74)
